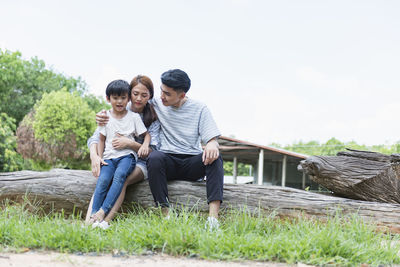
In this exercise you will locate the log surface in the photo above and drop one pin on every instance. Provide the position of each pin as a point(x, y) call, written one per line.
point(356, 174)
point(65, 189)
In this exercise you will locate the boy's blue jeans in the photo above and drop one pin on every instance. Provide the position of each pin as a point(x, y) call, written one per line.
point(105, 195)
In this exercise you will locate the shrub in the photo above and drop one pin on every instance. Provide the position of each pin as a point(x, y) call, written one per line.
point(55, 132)
point(10, 160)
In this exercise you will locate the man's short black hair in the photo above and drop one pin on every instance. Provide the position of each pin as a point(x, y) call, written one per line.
point(176, 79)
point(118, 87)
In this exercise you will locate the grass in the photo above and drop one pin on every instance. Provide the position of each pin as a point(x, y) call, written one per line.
point(338, 241)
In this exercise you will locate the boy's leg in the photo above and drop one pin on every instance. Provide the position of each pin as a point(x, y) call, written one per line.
point(160, 167)
point(135, 177)
point(124, 167)
point(193, 168)
point(103, 182)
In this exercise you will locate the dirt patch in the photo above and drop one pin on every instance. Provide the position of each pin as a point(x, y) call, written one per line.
point(40, 259)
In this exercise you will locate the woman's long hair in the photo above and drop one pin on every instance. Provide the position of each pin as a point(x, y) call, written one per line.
point(149, 114)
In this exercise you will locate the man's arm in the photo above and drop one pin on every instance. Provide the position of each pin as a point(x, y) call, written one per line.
point(102, 118)
point(100, 146)
point(211, 151)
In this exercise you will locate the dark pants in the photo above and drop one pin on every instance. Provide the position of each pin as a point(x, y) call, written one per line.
point(163, 167)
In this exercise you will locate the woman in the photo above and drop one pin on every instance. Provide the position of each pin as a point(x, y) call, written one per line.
point(142, 91)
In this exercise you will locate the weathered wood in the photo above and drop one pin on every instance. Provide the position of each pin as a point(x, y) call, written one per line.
point(375, 156)
point(356, 174)
point(68, 189)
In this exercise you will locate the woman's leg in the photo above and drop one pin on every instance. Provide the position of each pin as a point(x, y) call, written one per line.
point(89, 210)
point(135, 177)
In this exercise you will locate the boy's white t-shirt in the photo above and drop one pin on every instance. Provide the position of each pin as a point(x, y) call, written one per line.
point(130, 125)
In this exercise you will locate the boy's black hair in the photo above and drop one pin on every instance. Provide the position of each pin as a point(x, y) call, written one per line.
point(176, 79)
point(118, 87)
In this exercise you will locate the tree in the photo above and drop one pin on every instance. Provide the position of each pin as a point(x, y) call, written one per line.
point(96, 103)
point(333, 146)
point(23, 82)
point(57, 129)
point(10, 160)
point(242, 169)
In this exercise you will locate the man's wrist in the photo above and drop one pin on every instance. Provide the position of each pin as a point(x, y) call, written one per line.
point(214, 141)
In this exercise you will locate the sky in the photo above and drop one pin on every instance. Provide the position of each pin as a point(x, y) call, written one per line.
point(269, 71)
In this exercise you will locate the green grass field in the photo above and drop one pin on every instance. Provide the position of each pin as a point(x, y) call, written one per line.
point(338, 241)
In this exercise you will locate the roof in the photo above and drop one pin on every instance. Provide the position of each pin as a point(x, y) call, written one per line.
point(231, 147)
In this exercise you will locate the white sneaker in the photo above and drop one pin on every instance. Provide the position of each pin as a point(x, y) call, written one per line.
point(104, 225)
point(212, 224)
point(95, 224)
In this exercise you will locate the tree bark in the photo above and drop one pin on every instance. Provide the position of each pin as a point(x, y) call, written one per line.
point(71, 189)
point(356, 174)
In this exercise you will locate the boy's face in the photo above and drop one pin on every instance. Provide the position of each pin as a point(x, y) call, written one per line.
point(118, 102)
point(170, 97)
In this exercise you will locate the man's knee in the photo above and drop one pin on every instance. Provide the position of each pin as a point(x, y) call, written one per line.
point(215, 170)
point(155, 157)
point(218, 163)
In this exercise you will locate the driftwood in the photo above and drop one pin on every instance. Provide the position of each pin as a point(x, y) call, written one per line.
point(68, 189)
point(357, 174)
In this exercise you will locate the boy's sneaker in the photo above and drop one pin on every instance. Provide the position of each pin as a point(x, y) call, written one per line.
point(212, 224)
point(104, 225)
point(95, 224)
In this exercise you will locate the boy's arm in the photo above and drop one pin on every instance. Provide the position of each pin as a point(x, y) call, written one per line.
point(95, 160)
point(144, 150)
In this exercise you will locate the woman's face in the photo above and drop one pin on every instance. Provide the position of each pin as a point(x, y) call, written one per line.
point(139, 97)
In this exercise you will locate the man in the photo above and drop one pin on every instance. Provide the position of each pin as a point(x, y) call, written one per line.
point(185, 124)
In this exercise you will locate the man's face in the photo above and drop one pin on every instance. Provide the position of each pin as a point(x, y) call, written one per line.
point(170, 97)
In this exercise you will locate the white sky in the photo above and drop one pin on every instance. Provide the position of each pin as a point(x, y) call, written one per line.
point(270, 71)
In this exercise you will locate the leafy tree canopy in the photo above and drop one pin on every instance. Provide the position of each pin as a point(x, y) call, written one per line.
point(23, 82)
point(242, 169)
point(333, 146)
point(10, 160)
point(96, 103)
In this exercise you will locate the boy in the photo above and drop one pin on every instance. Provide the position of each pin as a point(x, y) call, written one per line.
point(119, 163)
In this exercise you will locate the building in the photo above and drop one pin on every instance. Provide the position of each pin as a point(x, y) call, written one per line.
point(272, 166)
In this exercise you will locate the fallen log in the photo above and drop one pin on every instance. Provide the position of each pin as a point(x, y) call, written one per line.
point(354, 174)
point(66, 190)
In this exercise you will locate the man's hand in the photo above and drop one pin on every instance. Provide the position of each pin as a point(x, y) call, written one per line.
point(211, 152)
point(120, 142)
point(96, 163)
point(102, 118)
